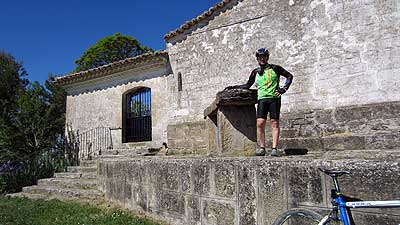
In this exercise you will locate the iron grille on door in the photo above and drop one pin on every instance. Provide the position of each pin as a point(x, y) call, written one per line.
point(138, 116)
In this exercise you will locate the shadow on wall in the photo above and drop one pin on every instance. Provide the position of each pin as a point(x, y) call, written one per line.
point(243, 124)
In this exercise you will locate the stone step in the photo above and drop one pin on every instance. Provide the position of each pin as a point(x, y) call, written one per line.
point(113, 156)
point(28, 195)
point(82, 169)
point(46, 196)
point(69, 183)
point(90, 175)
point(88, 163)
point(344, 141)
point(118, 151)
point(63, 193)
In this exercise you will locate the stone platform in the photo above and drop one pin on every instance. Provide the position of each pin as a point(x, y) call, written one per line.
point(249, 190)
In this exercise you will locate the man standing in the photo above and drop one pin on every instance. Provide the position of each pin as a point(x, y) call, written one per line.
point(267, 77)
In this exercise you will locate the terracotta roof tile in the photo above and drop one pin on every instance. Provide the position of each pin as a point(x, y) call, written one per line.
point(196, 20)
point(111, 68)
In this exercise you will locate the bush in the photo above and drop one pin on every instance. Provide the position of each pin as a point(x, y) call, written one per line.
point(26, 172)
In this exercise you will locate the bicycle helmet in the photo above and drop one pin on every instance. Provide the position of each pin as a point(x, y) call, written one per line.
point(262, 51)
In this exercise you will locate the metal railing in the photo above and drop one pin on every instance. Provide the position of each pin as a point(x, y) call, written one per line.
point(92, 142)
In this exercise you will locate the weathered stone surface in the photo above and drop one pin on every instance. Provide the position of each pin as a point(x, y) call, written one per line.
point(236, 128)
point(231, 122)
point(232, 97)
point(305, 187)
point(193, 209)
point(134, 173)
point(390, 141)
point(367, 112)
point(139, 197)
point(355, 127)
point(172, 202)
point(188, 138)
point(382, 216)
point(214, 147)
point(217, 213)
point(309, 143)
point(271, 191)
point(225, 180)
point(201, 178)
point(168, 176)
point(377, 181)
point(254, 190)
point(344, 142)
point(246, 194)
point(184, 175)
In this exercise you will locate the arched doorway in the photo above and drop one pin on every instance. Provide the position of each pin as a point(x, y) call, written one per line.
point(137, 115)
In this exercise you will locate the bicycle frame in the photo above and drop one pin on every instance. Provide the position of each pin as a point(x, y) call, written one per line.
point(341, 210)
point(345, 206)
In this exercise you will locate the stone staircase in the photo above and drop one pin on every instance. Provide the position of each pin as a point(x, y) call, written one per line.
point(79, 184)
point(133, 150)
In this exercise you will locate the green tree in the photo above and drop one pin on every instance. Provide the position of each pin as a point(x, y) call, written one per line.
point(37, 122)
point(12, 85)
point(31, 127)
point(110, 49)
point(12, 82)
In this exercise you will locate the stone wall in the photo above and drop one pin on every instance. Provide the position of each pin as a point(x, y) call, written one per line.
point(98, 102)
point(341, 53)
point(233, 191)
point(370, 126)
point(188, 138)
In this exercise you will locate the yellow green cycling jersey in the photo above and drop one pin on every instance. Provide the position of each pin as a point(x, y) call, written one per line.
point(267, 80)
point(267, 83)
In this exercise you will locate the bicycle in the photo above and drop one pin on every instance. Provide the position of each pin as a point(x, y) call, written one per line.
point(340, 213)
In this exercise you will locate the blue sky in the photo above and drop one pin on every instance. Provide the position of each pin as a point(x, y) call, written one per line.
point(48, 36)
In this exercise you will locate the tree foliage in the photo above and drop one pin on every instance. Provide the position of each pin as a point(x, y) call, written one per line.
point(110, 49)
point(35, 125)
point(12, 82)
point(31, 127)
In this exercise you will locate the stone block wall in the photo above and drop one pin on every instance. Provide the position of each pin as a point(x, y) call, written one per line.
point(98, 102)
point(188, 138)
point(233, 191)
point(370, 126)
point(341, 53)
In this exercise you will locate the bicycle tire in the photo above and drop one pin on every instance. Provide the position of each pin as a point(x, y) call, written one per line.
point(292, 216)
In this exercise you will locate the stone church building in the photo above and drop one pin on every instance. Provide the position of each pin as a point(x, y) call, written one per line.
point(345, 58)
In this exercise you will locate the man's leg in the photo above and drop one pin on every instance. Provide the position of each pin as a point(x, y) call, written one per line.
point(261, 132)
point(274, 116)
point(275, 132)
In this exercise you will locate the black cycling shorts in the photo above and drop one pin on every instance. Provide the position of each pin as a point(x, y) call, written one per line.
point(269, 105)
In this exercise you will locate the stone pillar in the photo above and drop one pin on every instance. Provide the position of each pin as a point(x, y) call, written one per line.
point(231, 122)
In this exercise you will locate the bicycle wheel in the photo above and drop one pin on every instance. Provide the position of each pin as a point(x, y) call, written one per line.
point(298, 217)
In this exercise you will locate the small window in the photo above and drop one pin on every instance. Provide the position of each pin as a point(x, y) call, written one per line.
point(179, 81)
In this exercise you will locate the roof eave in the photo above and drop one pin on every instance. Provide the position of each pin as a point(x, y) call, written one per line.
point(156, 58)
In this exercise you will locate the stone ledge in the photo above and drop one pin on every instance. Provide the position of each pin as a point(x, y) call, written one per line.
point(232, 97)
point(254, 189)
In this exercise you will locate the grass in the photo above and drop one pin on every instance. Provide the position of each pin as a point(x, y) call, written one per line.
point(23, 211)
